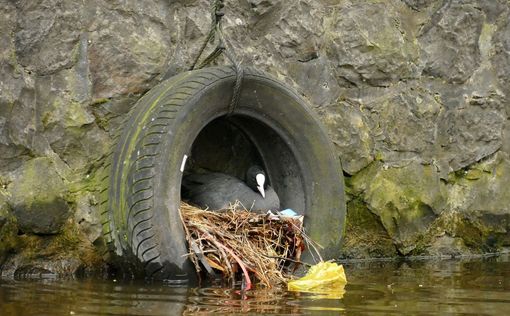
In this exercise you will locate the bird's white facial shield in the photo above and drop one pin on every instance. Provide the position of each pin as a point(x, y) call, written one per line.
point(261, 179)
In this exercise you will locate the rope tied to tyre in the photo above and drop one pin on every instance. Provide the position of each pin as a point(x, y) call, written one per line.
point(222, 46)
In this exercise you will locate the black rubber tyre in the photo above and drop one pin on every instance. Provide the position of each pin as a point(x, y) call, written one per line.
point(142, 192)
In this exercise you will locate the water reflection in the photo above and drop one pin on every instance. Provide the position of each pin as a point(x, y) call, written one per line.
point(476, 287)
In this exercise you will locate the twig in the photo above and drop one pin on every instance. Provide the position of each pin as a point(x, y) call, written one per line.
point(236, 258)
point(289, 259)
point(255, 242)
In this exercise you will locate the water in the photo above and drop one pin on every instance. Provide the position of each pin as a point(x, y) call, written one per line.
point(448, 287)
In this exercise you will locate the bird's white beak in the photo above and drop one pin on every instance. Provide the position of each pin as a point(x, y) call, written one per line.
point(261, 190)
point(261, 179)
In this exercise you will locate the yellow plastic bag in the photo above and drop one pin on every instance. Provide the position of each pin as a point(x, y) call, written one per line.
point(325, 278)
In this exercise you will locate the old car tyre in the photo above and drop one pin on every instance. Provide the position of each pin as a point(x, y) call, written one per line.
point(141, 195)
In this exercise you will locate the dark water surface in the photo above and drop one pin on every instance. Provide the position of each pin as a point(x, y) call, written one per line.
point(447, 287)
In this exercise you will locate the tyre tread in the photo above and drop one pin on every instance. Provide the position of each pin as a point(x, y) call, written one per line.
point(149, 120)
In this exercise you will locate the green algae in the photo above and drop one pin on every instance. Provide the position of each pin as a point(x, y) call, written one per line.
point(406, 199)
point(37, 197)
point(8, 231)
point(365, 236)
point(62, 254)
point(411, 207)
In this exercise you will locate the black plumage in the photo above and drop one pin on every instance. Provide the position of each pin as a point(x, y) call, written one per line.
point(218, 191)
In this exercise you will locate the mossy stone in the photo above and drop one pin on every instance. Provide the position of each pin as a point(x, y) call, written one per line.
point(487, 191)
point(406, 199)
point(365, 236)
point(37, 197)
point(8, 229)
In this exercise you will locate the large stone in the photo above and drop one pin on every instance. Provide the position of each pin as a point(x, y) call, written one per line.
point(407, 200)
point(351, 134)
point(128, 47)
point(16, 131)
point(470, 128)
point(261, 7)
point(501, 56)
point(7, 25)
point(448, 246)
point(365, 52)
point(3, 208)
point(449, 41)
point(419, 4)
point(66, 122)
point(286, 42)
point(8, 228)
point(316, 79)
point(403, 120)
point(365, 236)
point(47, 34)
point(483, 188)
point(65, 254)
point(87, 217)
point(37, 197)
point(494, 11)
point(290, 32)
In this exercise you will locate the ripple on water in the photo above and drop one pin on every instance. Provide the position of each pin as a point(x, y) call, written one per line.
point(470, 287)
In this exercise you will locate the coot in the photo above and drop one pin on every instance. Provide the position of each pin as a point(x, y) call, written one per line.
point(218, 191)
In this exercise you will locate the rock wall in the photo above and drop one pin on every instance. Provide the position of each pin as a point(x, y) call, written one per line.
point(414, 94)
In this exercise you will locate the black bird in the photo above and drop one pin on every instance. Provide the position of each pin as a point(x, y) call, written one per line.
point(218, 190)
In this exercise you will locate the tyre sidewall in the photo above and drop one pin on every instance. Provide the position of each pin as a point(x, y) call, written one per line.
point(275, 105)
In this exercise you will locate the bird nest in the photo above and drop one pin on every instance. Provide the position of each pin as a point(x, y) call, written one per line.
point(239, 243)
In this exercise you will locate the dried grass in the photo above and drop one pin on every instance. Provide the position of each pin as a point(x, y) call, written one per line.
point(239, 241)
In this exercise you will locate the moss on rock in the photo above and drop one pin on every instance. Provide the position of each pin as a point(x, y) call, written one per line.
point(426, 85)
point(37, 197)
point(425, 216)
point(406, 200)
point(482, 186)
point(8, 230)
point(65, 254)
point(365, 236)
